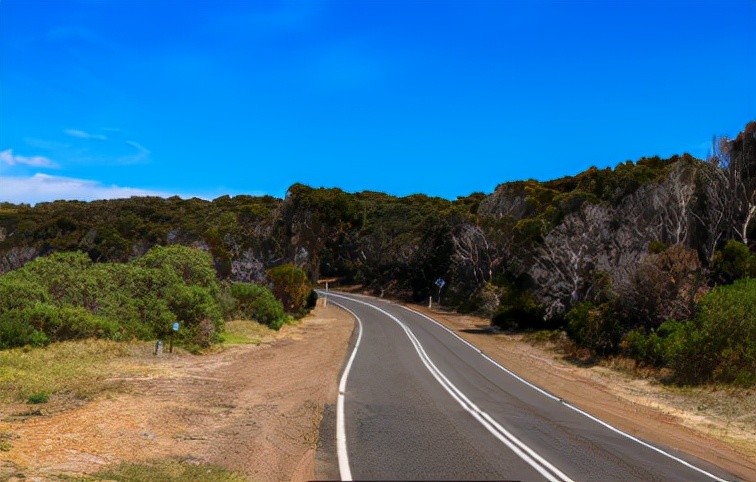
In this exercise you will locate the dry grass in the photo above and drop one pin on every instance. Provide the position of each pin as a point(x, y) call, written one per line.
point(244, 332)
point(167, 471)
point(76, 368)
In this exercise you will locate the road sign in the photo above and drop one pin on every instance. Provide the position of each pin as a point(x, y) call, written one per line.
point(175, 326)
point(440, 283)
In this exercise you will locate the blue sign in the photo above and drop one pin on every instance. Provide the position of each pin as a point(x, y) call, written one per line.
point(440, 283)
point(175, 326)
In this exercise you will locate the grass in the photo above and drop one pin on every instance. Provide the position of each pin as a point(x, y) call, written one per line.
point(41, 397)
point(167, 471)
point(75, 367)
point(244, 332)
point(5, 441)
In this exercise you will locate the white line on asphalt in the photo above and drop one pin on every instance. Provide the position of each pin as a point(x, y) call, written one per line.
point(527, 454)
point(341, 446)
point(569, 405)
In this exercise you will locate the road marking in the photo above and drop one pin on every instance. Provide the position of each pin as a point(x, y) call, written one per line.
point(527, 454)
point(569, 405)
point(341, 446)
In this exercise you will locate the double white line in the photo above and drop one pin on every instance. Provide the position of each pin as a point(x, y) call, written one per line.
point(527, 454)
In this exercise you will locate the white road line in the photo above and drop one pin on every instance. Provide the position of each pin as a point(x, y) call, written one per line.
point(569, 405)
point(527, 454)
point(341, 446)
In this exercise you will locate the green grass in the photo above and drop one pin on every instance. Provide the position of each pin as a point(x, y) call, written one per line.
point(167, 471)
point(41, 397)
point(75, 367)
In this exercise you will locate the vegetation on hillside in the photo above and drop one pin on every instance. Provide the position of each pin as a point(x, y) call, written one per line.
point(66, 296)
point(642, 259)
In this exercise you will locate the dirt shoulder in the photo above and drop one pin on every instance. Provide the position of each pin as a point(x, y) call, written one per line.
point(717, 427)
point(253, 410)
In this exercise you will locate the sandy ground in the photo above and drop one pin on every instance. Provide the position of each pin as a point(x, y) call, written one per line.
point(637, 406)
point(254, 410)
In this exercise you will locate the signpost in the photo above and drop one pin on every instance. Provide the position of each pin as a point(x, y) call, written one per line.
point(440, 283)
point(174, 329)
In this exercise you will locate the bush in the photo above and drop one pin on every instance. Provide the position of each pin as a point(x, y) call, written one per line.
point(720, 343)
point(40, 397)
point(14, 332)
point(38, 324)
point(291, 286)
point(733, 262)
point(597, 328)
point(17, 292)
point(655, 348)
point(518, 311)
point(256, 302)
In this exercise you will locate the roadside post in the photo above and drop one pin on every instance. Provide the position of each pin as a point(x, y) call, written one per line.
point(159, 348)
point(325, 298)
point(174, 330)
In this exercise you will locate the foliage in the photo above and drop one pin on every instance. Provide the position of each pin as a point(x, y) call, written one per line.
point(256, 302)
point(596, 327)
point(518, 310)
point(720, 343)
point(291, 286)
point(39, 397)
point(66, 296)
point(734, 261)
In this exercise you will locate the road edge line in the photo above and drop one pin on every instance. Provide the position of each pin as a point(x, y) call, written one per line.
point(341, 446)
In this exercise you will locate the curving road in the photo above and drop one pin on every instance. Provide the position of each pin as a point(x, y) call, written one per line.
point(418, 402)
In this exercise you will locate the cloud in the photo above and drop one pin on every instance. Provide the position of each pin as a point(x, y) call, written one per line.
point(141, 155)
point(8, 158)
point(79, 134)
point(43, 188)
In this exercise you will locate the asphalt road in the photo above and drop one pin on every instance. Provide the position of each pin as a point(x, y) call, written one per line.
point(418, 402)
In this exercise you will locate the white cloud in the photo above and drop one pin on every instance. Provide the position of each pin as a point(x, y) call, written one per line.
point(79, 134)
point(42, 188)
point(8, 158)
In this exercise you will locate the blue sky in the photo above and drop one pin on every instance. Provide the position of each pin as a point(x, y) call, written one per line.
point(113, 98)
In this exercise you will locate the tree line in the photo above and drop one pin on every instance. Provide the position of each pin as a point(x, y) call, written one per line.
point(634, 260)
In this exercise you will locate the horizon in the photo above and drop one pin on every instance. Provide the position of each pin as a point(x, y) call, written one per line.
point(114, 99)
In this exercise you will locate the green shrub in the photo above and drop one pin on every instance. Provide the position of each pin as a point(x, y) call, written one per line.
point(193, 266)
point(40, 397)
point(655, 348)
point(733, 262)
point(720, 343)
point(18, 292)
point(256, 302)
point(198, 313)
point(597, 328)
point(14, 331)
point(41, 323)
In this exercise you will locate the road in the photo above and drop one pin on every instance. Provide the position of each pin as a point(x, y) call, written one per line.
point(418, 402)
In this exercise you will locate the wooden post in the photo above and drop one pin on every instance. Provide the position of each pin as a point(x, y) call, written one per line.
point(325, 299)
